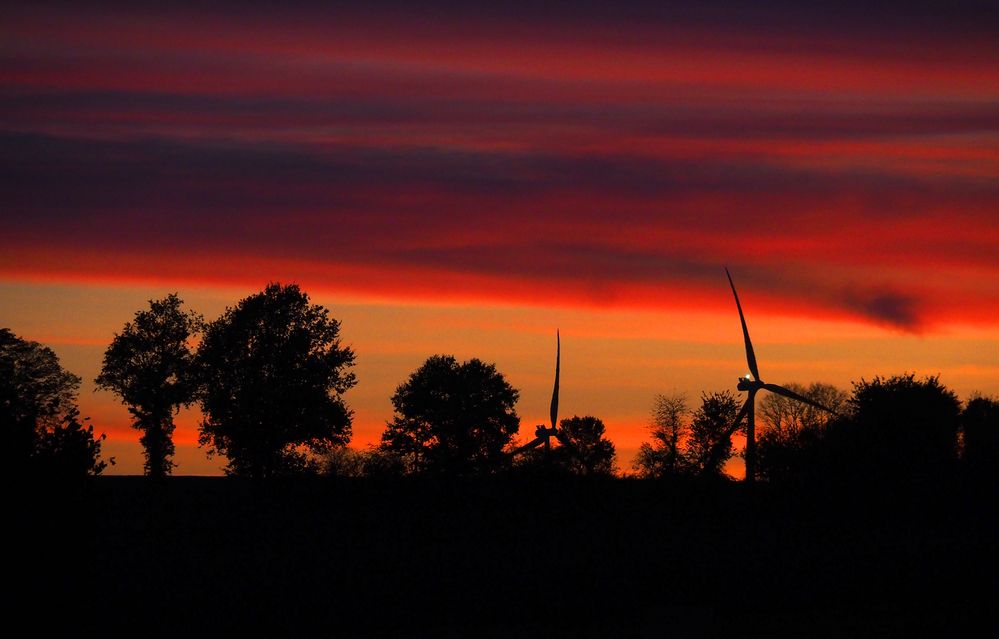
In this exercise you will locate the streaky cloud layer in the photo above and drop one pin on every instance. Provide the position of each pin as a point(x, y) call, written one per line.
point(844, 162)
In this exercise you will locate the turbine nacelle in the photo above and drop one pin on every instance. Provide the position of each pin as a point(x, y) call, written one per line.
point(541, 431)
point(747, 383)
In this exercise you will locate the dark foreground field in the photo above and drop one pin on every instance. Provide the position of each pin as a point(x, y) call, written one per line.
point(502, 558)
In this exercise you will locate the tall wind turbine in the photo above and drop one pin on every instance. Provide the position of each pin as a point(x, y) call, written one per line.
point(753, 384)
point(544, 435)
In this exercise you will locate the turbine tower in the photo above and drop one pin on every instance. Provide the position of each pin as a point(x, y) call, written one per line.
point(752, 384)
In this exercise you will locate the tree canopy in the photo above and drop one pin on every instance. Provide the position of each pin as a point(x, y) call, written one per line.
point(588, 454)
point(685, 443)
point(980, 426)
point(38, 414)
point(895, 429)
point(903, 426)
point(272, 373)
point(453, 418)
point(709, 446)
point(148, 365)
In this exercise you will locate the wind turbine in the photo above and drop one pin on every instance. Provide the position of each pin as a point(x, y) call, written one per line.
point(753, 384)
point(542, 435)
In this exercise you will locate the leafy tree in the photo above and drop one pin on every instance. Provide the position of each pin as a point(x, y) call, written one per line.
point(38, 413)
point(903, 427)
point(273, 373)
point(69, 448)
point(666, 456)
point(980, 427)
point(453, 418)
point(589, 453)
point(148, 365)
point(709, 446)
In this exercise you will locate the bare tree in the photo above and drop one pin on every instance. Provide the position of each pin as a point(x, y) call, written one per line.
point(665, 456)
point(784, 417)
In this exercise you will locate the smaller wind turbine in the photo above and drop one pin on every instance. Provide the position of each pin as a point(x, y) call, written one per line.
point(753, 384)
point(542, 435)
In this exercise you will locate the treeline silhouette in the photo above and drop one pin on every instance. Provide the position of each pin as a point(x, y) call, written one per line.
point(43, 434)
point(876, 519)
point(271, 374)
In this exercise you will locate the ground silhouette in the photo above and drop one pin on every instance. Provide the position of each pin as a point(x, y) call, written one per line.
point(498, 557)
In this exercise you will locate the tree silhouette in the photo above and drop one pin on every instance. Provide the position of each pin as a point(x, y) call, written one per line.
point(148, 365)
point(589, 453)
point(69, 448)
point(784, 418)
point(666, 455)
point(371, 462)
point(980, 426)
point(38, 414)
point(709, 445)
point(453, 418)
point(272, 374)
point(793, 430)
point(902, 427)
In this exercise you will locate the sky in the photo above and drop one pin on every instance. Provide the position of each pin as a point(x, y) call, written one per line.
point(465, 178)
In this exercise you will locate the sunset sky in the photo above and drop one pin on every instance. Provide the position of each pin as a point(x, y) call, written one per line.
point(463, 179)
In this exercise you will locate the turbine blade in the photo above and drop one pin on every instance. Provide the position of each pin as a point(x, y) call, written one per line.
point(750, 355)
point(558, 362)
point(526, 447)
point(741, 416)
point(780, 390)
